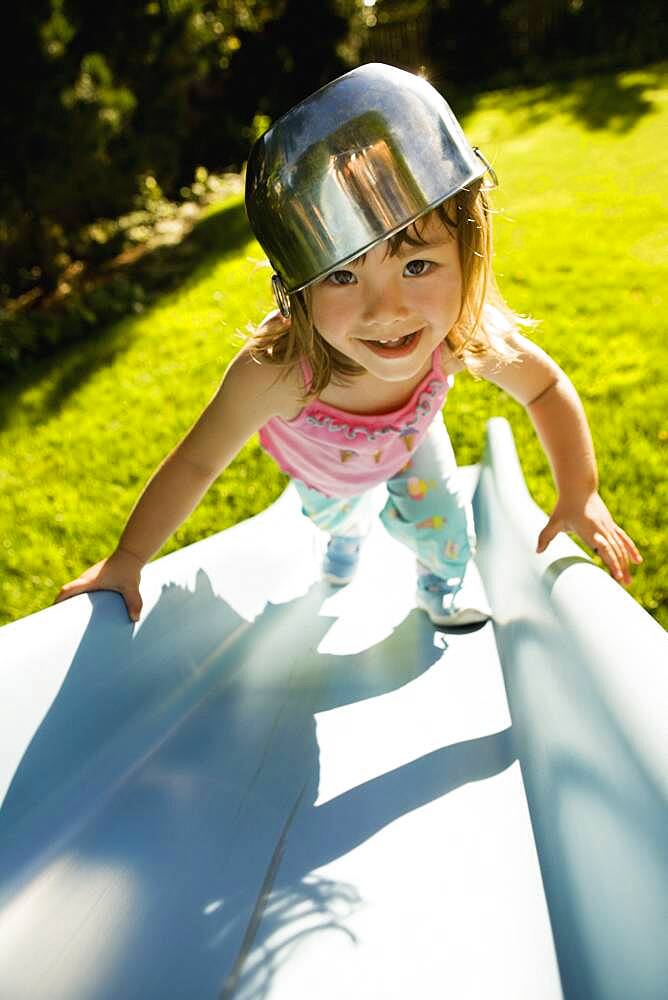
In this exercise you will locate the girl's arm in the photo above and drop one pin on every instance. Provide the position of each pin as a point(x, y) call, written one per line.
point(248, 396)
point(558, 416)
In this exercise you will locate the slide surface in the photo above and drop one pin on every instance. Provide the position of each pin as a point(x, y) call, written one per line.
point(273, 788)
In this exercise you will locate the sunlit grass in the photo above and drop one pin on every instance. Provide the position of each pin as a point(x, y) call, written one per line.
point(582, 238)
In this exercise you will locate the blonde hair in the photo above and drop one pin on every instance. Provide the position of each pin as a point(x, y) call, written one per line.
point(480, 332)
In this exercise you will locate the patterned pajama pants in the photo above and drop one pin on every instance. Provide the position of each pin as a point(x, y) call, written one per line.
point(425, 509)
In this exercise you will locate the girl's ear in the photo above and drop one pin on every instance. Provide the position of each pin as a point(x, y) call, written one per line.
point(272, 323)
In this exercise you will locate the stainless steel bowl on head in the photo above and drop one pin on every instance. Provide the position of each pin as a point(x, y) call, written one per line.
point(348, 167)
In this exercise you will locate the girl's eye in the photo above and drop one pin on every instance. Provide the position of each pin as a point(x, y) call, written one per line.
point(341, 278)
point(415, 268)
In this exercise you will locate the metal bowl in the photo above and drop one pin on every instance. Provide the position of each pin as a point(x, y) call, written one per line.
point(349, 166)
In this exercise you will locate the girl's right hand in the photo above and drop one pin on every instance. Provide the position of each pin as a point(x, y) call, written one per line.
point(121, 572)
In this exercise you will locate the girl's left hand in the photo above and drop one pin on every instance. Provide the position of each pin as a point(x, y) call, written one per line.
point(592, 521)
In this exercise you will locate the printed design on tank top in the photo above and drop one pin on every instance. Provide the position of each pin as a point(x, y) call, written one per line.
point(407, 432)
point(354, 449)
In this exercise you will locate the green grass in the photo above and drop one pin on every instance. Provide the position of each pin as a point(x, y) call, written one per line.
point(582, 245)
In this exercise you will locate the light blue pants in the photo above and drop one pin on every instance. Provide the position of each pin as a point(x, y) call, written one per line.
point(426, 509)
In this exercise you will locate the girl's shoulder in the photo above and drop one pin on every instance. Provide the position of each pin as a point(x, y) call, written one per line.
point(278, 390)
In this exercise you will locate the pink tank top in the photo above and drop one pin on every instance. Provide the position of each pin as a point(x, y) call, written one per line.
point(342, 454)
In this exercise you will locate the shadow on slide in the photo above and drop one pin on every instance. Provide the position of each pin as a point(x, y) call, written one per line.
point(273, 789)
point(186, 773)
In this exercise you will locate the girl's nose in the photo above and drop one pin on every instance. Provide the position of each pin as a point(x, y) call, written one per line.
point(384, 303)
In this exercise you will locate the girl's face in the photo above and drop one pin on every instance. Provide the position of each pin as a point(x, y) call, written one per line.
point(390, 313)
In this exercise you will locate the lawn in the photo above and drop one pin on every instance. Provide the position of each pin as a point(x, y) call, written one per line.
point(581, 245)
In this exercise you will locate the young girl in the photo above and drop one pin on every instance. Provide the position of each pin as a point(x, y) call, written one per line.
point(371, 207)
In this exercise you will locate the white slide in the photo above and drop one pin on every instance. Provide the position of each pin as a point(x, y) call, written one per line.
point(273, 788)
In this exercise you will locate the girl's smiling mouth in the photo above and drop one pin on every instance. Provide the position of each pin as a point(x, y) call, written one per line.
point(397, 348)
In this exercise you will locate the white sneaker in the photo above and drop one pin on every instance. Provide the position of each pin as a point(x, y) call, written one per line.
point(458, 603)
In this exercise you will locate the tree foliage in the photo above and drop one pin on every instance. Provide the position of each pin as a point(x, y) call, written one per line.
point(105, 107)
point(492, 42)
point(99, 99)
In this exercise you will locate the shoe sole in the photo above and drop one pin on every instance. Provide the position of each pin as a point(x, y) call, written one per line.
point(337, 581)
point(467, 616)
